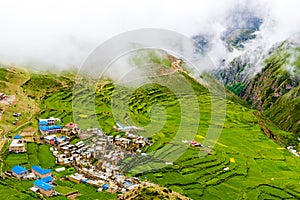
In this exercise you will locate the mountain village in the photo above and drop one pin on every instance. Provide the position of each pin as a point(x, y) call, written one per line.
point(109, 151)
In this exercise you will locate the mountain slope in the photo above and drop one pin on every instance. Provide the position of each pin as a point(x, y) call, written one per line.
point(275, 89)
point(243, 164)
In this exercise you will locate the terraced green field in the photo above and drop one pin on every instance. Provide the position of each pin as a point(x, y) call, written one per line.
point(258, 167)
point(244, 163)
point(37, 154)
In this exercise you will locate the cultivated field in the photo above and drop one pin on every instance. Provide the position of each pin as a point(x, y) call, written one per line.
point(258, 168)
point(244, 163)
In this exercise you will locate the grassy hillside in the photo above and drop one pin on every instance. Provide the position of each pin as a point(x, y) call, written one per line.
point(10, 81)
point(258, 167)
point(243, 164)
point(275, 90)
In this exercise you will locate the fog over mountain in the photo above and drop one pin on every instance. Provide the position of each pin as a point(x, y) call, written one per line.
point(62, 34)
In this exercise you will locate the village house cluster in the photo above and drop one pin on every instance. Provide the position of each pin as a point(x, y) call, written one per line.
point(131, 141)
point(107, 150)
point(96, 157)
point(118, 183)
point(43, 179)
point(52, 126)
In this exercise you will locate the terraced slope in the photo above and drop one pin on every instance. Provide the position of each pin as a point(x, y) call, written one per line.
point(245, 163)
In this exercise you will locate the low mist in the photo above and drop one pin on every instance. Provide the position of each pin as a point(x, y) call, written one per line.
point(59, 35)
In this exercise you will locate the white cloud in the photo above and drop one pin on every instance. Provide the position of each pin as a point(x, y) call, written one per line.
point(62, 33)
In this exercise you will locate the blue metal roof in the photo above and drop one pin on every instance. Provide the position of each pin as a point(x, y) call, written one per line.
point(47, 179)
point(44, 128)
point(41, 170)
point(47, 128)
point(43, 123)
point(19, 169)
point(55, 127)
point(43, 185)
point(17, 137)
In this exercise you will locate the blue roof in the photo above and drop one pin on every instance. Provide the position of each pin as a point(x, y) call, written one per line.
point(47, 179)
point(55, 127)
point(41, 170)
point(43, 185)
point(43, 123)
point(17, 137)
point(19, 169)
point(44, 128)
point(105, 186)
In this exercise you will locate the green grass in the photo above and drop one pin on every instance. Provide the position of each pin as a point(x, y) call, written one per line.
point(64, 190)
point(261, 169)
point(37, 154)
point(19, 189)
point(86, 191)
point(257, 158)
point(45, 156)
point(16, 189)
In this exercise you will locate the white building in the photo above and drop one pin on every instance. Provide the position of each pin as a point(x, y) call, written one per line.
point(17, 146)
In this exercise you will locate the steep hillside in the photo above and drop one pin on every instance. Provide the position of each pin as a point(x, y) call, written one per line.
point(16, 101)
point(243, 164)
point(275, 90)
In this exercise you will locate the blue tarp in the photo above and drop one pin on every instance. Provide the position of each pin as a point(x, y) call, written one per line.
point(84, 180)
point(105, 186)
point(19, 169)
point(17, 137)
point(41, 170)
point(43, 185)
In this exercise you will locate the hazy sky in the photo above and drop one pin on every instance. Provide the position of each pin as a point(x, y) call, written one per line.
point(62, 33)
